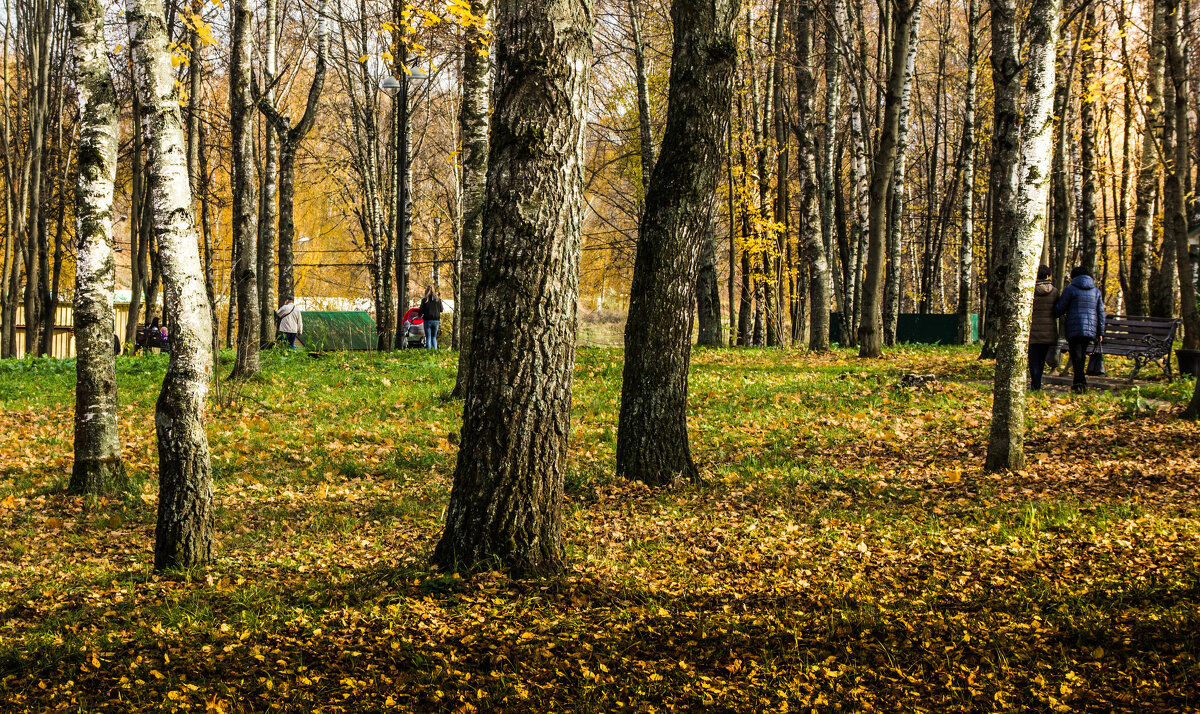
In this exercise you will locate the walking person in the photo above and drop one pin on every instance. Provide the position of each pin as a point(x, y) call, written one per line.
point(1043, 330)
point(291, 321)
point(1083, 306)
point(431, 313)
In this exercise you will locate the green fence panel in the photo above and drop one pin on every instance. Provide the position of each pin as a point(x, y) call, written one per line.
point(916, 328)
point(328, 330)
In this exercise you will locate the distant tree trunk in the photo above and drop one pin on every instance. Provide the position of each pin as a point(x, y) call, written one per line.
point(811, 223)
point(896, 198)
point(268, 191)
point(870, 332)
point(1006, 444)
point(829, 179)
point(1142, 241)
point(506, 503)
point(966, 256)
point(473, 126)
point(708, 292)
point(98, 468)
point(1175, 205)
point(652, 441)
point(1060, 195)
point(184, 534)
point(138, 218)
point(859, 221)
point(641, 68)
point(244, 232)
point(1006, 70)
point(1089, 238)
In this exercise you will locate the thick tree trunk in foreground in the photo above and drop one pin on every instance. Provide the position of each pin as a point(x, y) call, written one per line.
point(244, 229)
point(98, 467)
point(506, 504)
point(1006, 444)
point(966, 256)
point(870, 331)
point(1141, 249)
point(473, 125)
point(811, 227)
point(652, 439)
point(184, 534)
point(1178, 169)
point(708, 293)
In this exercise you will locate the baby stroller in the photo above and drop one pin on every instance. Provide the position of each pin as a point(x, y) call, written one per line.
point(413, 329)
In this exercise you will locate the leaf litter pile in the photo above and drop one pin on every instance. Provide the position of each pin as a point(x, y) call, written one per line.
point(844, 551)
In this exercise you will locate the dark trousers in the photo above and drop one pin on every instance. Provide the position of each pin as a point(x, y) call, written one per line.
point(291, 338)
point(1037, 364)
point(1078, 347)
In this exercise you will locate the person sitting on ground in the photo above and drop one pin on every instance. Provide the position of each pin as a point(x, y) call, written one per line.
point(1083, 305)
point(431, 313)
point(291, 322)
point(1043, 329)
point(154, 335)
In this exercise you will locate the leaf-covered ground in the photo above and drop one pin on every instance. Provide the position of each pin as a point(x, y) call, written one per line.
point(844, 551)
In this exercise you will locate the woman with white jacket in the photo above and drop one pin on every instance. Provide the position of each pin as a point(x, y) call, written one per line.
point(290, 321)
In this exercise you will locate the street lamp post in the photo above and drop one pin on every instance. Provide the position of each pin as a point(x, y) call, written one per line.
point(401, 186)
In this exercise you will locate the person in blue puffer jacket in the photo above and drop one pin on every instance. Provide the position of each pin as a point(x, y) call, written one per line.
point(1083, 305)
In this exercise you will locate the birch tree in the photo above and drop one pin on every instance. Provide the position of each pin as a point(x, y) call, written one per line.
point(1141, 248)
point(98, 467)
point(966, 255)
point(1006, 443)
point(268, 187)
point(1178, 171)
point(184, 533)
point(241, 115)
point(652, 438)
point(811, 226)
point(506, 503)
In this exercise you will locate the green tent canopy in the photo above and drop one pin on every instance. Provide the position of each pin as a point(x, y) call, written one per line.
point(328, 330)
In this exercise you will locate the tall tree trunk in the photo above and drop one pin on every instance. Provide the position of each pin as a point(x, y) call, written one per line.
point(641, 66)
point(708, 292)
point(1089, 238)
point(834, 25)
point(1006, 443)
point(268, 192)
point(506, 503)
point(966, 255)
point(184, 534)
point(652, 440)
point(1006, 70)
point(244, 232)
point(870, 332)
point(473, 126)
point(1175, 205)
point(1060, 195)
point(1138, 301)
point(812, 226)
point(98, 468)
point(859, 221)
point(896, 197)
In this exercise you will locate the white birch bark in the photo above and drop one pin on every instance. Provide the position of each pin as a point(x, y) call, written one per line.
point(1006, 444)
point(98, 467)
point(184, 534)
point(245, 231)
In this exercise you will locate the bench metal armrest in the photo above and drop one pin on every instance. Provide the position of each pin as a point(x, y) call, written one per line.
point(1157, 345)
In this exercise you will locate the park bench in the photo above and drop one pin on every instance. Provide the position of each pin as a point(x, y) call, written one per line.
point(1144, 339)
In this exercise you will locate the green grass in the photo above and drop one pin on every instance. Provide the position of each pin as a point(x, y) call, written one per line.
point(843, 550)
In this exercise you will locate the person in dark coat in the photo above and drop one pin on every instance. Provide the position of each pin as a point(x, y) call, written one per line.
point(1082, 304)
point(1043, 329)
point(431, 313)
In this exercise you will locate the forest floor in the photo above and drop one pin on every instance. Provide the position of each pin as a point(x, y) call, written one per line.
point(844, 550)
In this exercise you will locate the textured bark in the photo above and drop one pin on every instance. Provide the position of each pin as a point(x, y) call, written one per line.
point(1006, 443)
point(811, 224)
point(1060, 195)
point(870, 331)
point(829, 180)
point(708, 293)
point(1089, 237)
point(1141, 247)
point(506, 503)
point(652, 441)
point(966, 255)
point(641, 67)
point(859, 221)
point(1175, 193)
point(268, 192)
point(290, 138)
point(184, 533)
point(98, 468)
point(473, 125)
point(896, 198)
point(241, 118)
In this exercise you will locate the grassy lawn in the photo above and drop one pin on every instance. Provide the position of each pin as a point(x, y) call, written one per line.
point(843, 552)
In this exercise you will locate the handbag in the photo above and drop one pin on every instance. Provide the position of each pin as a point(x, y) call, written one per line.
point(1095, 365)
